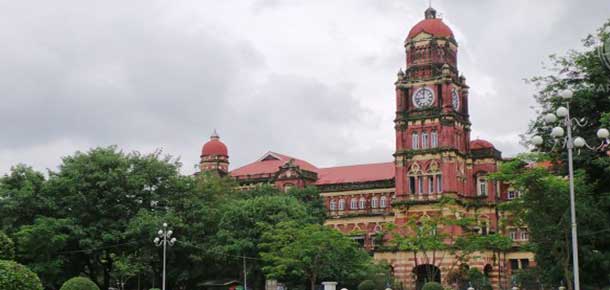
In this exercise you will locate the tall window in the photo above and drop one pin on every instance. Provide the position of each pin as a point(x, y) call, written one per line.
point(482, 186)
point(342, 204)
point(333, 204)
point(439, 183)
point(415, 141)
point(362, 204)
point(431, 184)
point(374, 202)
point(382, 202)
point(412, 184)
point(513, 235)
point(424, 140)
point(354, 203)
point(420, 184)
point(433, 139)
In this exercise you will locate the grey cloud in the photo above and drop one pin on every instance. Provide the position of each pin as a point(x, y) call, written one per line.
point(307, 78)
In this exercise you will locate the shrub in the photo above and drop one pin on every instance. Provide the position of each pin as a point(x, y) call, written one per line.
point(7, 247)
point(79, 283)
point(15, 276)
point(432, 286)
point(366, 285)
point(154, 289)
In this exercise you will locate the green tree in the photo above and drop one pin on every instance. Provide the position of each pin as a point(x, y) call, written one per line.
point(544, 207)
point(546, 213)
point(298, 252)
point(7, 247)
point(243, 223)
point(15, 276)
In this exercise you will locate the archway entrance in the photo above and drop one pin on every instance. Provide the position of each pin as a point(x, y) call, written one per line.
point(426, 273)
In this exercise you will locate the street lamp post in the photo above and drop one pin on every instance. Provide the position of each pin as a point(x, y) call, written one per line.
point(164, 239)
point(570, 143)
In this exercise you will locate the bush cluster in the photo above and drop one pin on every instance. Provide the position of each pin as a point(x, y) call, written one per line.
point(79, 283)
point(15, 276)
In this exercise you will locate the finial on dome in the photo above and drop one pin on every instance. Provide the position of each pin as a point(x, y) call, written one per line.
point(430, 13)
point(214, 135)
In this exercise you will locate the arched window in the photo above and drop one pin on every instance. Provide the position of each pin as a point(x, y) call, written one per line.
point(374, 202)
point(433, 139)
point(415, 141)
point(333, 204)
point(482, 186)
point(382, 202)
point(354, 203)
point(362, 203)
point(424, 140)
point(342, 204)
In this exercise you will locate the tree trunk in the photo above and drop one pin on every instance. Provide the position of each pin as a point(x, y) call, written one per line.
point(312, 281)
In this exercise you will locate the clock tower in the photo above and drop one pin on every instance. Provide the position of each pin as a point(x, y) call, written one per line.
point(432, 124)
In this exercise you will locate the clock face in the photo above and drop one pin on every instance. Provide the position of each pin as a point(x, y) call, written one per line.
point(455, 99)
point(423, 97)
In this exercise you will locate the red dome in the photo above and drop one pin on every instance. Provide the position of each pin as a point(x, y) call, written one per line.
point(214, 147)
point(432, 26)
point(480, 144)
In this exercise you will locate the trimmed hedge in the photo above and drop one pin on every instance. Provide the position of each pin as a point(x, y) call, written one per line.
point(15, 276)
point(366, 285)
point(79, 283)
point(7, 247)
point(432, 286)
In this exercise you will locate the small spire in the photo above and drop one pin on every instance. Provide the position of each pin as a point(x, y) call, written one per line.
point(214, 135)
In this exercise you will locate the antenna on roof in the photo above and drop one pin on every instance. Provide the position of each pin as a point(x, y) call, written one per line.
point(429, 3)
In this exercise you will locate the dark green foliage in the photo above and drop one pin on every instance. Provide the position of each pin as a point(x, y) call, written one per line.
point(300, 252)
point(432, 286)
point(79, 283)
point(15, 276)
point(367, 285)
point(7, 247)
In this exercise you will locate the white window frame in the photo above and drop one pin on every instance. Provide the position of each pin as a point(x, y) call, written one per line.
point(482, 186)
point(382, 202)
point(353, 203)
point(424, 140)
point(342, 204)
point(433, 139)
point(524, 235)
point(374, 202)
point(512, 234)
point(439, 183)
point(414, 140)
point(512, 194)
point(420, 184)
point(430, 184)
point(333, 204)
point(362, 203)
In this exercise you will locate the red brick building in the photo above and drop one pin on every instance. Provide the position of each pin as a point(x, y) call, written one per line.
point(434, 158)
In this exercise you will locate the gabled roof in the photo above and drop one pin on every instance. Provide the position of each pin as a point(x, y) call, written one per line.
point(356, 173)
point(270, 162)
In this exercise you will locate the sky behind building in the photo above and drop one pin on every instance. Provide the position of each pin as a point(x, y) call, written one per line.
point(312, 79)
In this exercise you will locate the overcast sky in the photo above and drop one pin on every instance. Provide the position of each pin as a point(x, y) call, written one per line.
point(312, 79)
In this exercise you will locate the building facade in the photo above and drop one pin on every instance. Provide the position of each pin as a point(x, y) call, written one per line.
point(435, 161)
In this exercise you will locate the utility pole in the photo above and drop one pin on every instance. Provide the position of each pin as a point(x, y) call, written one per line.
point(245, 274)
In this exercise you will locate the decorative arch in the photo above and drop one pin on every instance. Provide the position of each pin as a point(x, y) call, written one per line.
point(415, 169)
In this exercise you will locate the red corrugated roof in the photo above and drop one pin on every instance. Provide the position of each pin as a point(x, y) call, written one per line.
point(356, 173)
point(270, 163)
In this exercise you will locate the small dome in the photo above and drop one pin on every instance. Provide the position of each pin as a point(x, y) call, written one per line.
point(214, 146)
point(480, 144)
point(431, 25)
